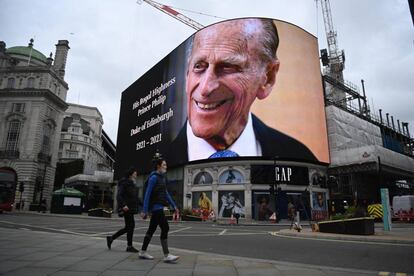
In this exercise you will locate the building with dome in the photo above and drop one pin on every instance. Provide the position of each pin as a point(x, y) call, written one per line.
point(32, 103)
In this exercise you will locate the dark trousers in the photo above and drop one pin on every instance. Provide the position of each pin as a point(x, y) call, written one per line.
point(157, 218)
point(128, 229)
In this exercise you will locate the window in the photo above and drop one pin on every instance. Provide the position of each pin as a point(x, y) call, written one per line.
point(84, 149)
point(75, 129)
point(61, 146)
point(10, 83)
point(18, 107)
point(73, 147)
point(47, 131)
point(30, 82)
point(13, 136)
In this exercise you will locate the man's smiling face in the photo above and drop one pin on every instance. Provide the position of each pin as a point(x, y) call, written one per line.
point(224, 77)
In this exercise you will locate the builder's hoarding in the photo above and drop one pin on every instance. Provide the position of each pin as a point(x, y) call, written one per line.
point(240, 88)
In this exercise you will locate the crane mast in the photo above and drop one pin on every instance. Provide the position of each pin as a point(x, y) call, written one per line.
point(336, 58)
point(173, 13)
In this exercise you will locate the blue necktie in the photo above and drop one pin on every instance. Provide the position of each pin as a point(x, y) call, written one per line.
point(223, 154)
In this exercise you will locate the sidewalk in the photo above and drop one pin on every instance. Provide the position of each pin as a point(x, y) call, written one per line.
point(25, 252)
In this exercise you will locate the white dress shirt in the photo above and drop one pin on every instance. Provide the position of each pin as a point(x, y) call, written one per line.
point(245, 145)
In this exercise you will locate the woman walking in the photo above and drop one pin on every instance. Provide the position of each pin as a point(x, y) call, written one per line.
point(127, 198)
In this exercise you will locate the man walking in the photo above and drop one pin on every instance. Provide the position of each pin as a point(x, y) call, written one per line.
point(156, 197)
point(127, 198)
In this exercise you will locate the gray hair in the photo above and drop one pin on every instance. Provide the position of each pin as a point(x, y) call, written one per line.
point(269, 40)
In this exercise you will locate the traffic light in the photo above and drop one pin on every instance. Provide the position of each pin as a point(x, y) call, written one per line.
point(21, 187)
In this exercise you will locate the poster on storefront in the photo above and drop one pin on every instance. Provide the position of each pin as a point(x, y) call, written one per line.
point(203, 178)
point(201, 200)
point(231, 203)
point(231, 177)
point(319, 206)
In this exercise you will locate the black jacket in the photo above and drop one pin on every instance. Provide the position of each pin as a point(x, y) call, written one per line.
point(127, 195)
point(274, 144)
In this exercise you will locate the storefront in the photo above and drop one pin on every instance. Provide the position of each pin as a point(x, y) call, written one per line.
point(254, 189)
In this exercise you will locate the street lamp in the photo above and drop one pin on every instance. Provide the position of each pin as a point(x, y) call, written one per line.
point(41, 188)
point(21, 190)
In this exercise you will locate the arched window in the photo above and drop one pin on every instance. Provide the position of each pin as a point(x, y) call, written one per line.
point(30, 82)
point(13, 134)
point(10, 83)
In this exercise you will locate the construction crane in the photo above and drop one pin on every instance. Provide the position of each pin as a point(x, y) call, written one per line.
point(173, 13)
point(338, 91)
point(336, 57)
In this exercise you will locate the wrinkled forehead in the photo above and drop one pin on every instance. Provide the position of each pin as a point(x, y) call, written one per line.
point(243, 32)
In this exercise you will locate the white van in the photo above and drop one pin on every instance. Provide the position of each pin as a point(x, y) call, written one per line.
point(402, 203)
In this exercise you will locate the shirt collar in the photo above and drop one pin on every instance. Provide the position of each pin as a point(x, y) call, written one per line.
point(245, 145)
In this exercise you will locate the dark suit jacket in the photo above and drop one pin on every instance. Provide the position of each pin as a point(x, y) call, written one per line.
point(274, 144)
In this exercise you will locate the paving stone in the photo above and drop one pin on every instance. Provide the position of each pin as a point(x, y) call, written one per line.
point(260, 271)
point(124, 273)
point(11, 265)
point(91, 265)
point(135, 265)
point(171, 272)
point(59, 261)
point(38, 256)
point(32, 271)
point(75, 273)
point(200, 270)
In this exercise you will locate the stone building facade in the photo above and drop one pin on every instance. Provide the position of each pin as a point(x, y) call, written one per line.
point(81, 138)
point(32, 103)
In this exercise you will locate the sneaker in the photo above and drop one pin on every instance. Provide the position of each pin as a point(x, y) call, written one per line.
point(109, 241)
point(171, 258)
point(145, 255)
point(132, 249)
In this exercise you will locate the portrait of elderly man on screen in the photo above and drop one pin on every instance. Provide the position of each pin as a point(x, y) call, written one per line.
point(231, 65)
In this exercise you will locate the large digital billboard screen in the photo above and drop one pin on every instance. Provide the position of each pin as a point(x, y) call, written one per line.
point(247, 87)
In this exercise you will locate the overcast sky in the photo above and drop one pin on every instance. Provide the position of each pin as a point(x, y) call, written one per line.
point(114, 42)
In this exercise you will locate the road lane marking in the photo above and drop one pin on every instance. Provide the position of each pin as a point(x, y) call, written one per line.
point(223, 232)
point(179, 230)
point(45, 228)
point(339, 240)
point(383, 273)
